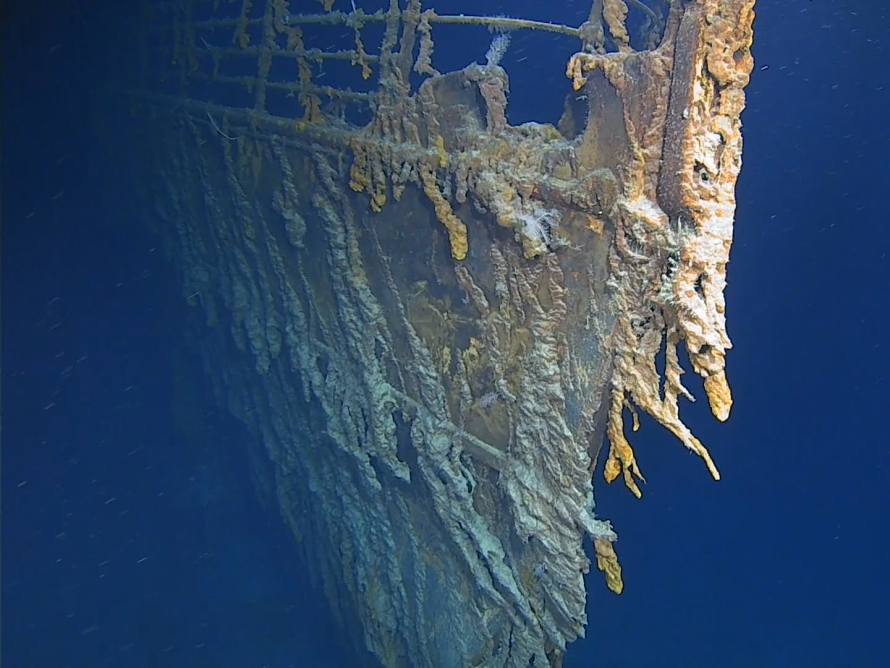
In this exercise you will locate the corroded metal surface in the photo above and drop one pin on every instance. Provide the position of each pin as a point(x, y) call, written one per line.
point(431, 320)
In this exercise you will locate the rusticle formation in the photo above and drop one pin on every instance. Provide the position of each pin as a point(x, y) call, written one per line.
point(428, 319)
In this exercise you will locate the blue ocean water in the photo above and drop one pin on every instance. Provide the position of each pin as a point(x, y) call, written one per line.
point(125, 543)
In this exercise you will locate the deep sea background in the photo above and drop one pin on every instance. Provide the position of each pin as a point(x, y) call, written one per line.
point(125, 542)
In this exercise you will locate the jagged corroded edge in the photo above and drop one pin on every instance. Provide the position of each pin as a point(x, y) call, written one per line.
point(673, 239)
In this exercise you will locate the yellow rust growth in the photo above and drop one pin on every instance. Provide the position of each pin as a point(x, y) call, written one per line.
point(378, 199)
point(621, 456)
point(441, 152)
point(719, 396)
point(578, 64)
point(615, 15)
point(607, 562)
point(595, 224)
point(359, 176)
point(457, 231)
point(635, 375)
point(359, 55)
point(367, 175)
